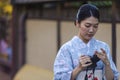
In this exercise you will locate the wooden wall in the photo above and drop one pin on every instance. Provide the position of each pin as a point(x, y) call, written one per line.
point(42, 39)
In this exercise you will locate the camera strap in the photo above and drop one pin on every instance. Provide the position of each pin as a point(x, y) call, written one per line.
point(86, 76)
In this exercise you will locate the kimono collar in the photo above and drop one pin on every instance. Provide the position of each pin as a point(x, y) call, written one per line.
point(78, 41)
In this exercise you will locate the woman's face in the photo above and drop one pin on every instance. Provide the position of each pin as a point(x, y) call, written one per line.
point(88, 28)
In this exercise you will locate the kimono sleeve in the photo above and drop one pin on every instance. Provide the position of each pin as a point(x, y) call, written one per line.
point(63, 65)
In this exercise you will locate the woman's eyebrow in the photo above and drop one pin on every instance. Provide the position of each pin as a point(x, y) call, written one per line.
point(92, 24)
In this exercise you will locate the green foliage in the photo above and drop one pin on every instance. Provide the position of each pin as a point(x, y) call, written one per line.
point(101, 3)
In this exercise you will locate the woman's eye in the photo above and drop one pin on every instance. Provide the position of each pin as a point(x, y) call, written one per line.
point(87, 26)
point(96, 26)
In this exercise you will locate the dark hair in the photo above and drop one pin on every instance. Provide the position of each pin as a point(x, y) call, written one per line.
point(86, 11)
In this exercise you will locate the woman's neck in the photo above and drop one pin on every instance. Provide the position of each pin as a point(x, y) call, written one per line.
point(84, 40)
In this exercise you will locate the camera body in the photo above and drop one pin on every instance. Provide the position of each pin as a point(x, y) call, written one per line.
point(94, 60)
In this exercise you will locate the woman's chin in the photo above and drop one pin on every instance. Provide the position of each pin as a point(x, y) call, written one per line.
point(88, 38)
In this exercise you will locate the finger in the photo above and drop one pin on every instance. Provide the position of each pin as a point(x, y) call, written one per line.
point(84, 57)
point(96, 52)
point(85, 61)
point(99, 55)
point(85, 65)
point(103, 51)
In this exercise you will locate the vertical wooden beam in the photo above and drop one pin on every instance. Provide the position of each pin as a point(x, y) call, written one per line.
point(14, 41)
point(114, 44)
point(58, 26)
point(18, 40)
point(21, 41)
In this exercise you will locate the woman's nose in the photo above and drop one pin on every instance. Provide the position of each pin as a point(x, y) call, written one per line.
point(91, 29)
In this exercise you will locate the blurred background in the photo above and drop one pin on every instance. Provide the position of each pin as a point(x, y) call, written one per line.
point(32, 31)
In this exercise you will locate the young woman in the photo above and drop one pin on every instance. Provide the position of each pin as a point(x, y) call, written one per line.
point(84, 57)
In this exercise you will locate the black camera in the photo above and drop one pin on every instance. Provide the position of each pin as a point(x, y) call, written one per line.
point(94, 60)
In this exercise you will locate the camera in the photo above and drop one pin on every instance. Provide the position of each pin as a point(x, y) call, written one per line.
point(94, 60)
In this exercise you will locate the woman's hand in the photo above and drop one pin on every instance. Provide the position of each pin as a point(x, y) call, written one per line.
point(108, 71)
point(103, 56)
point(84, 61)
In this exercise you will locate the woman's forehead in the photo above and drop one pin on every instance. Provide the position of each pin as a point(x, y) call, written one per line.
point(92, 20)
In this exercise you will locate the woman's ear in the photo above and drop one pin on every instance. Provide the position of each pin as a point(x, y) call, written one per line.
point(77, 24)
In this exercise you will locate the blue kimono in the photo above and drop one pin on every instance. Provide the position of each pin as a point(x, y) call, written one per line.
point(68, 57)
